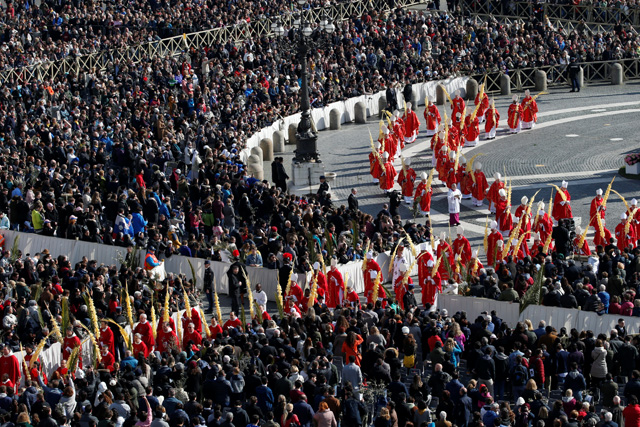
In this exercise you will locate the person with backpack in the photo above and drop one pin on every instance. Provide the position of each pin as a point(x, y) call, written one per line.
point(519, 377)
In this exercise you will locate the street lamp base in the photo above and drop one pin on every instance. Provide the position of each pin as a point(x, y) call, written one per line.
point(306, 176)
point(306, 148)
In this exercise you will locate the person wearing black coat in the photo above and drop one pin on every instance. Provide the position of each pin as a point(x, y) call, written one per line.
point(235, 287)
point(464, 409)
point(353, 411)
point(392, 98)
point(562, 237)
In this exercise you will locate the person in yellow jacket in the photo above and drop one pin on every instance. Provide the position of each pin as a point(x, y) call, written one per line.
point(37, 218)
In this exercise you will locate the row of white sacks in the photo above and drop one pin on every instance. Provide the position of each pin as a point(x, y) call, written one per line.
point(557, 317)
point(346, 108)
point(75, 250)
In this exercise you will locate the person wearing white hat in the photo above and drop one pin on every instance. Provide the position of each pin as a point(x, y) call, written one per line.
point(335, 283)
point(580, 249)
point(523, 209)
point(483, 100)
point(424, 194)
point(471, 131)
point(634, 213)
point(376, 163)
point(388, 177)
point(388, 143)
point(492, 120)
point(492, 243)
point(492, 194)
point(370, 273)
point(625, 239)
point(397, 129)
point(461, 246)
point(543, 225)
point(431, 284)
point(457, 105)
point(431, 117)
point(529, 111)
point(503, 213)
point(407, 179)
point(515, 115)
point(597, 207)
point(454, 198)
point(411, 125)
point(479, 186)
point(562, 203)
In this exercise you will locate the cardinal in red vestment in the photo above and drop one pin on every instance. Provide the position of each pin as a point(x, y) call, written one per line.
point(432, 118)
point(423, 194)
point(479, 186)
point(492, 120)
point(529, 111)
point(10, 366)
point(145, 329)
point(336, 285)
point(562, 205)
point(388, 177)
point(597, 207)
point(514, 116)
point(411, 125)
point(406, 179)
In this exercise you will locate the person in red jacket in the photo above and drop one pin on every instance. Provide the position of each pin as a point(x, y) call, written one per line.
point(107, 359)
point(139, 346)
point(10, 366)
point(632, 413)
point(536, 362)
point(431, 117)
point(492, 120)
point(106, 336)
point(514, 116)
point(191, 337)
point(479, 186)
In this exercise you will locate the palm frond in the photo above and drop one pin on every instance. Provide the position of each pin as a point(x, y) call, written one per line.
point(534, 293)
point(123, 332)
point(65, 314)
point(193, 274)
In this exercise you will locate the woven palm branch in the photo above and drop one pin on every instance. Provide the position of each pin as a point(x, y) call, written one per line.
point(533, 294)
point(65, 314)
point(621, 198)
point(279, 302)
point(123, 332)
point(607, 193)
point(393, 256)
point(74, 358)
point(562, 195)
point(38, 350)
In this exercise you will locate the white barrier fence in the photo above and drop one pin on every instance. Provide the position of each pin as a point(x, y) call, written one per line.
point(347, 109)
point(557, 317)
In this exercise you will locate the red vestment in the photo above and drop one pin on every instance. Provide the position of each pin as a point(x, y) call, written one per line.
point(492, 117)
point(432, 117)
point(599, 240)
point(146, 333)
point(492, 242)
point(191, 336)
point(425, 196)
point(353, 299)
point(9, 365)
point(625, 239)
point(471, 128)
point(406, 179)
point(457, 106)
point(561, 211)
point(106, 338)
point(108, 360)
point(445, 249)
point(372, 265)
point(596, 207)
point(296, 292)
point(515, 114)
point(462, 247)
point(375, 165)
point(336, 284)
point(544, 227)
point(215, 330)
point(584, 250)
point(529, 109)
point(411, 126)
point(484, 103)
point(322, 285)
point(493, 195)
point(68, 344)
point(388, 179)
point(479, 188)
point(167, 341)
point(526, 223)
point(141, 347)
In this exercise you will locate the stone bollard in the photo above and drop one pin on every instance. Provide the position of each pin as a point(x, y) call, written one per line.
point(441, 98)
point(580, 77)
point(540, 79)
point(278, 142)
point(254, 158)
point(361, 112)
point(617, 74)
point(334, 119)
point(258, 152)
point(382, 105)
point(472, 89)
point(256, 170)
point(505, 85)
point(267, 149)
point(293, 129)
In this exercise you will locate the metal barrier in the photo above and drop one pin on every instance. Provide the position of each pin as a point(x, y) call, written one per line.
point(594, 72)
point(173, 46)
point(592, 15)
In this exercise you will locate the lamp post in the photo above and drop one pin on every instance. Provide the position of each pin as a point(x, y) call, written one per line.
point(303, 38)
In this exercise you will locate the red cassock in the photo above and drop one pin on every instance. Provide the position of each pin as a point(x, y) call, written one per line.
point(492, 242)
point(141, 347)
point(503, 215)
point(456, 123)
point(436, 143)
point(492, 117)
point(375, 165)
point(231, 324)
point(474, 267)
point(108, 360)
point(353, 299)
point(106, 338)
point(425, 196)
point(471, 128)
point(465, 180)
point(445, 249)
point(401, 289)
point(454, 137)
point(411, 125)
point(68, 344)
point(526, 224)
point(406, 179)
point(462, 247)
point(432, 117)
point(372, 265)
point(159, 328)
point(559, 210)
point(529, 110)
point(167, 341)
point(215, 330)
point(515, 114)
point(516, 253)
point(584, 249)
point(452, 176)
point(191, 336)
point(479, 188)
point(336, 283)
point(388, 179)
point(599, 240)
point(544, 227)
point(9, 365)
point(596, 207)
point(146, 332)
point(457, 106)
point(484, 103)
point(625, 239)
point(493, 195)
